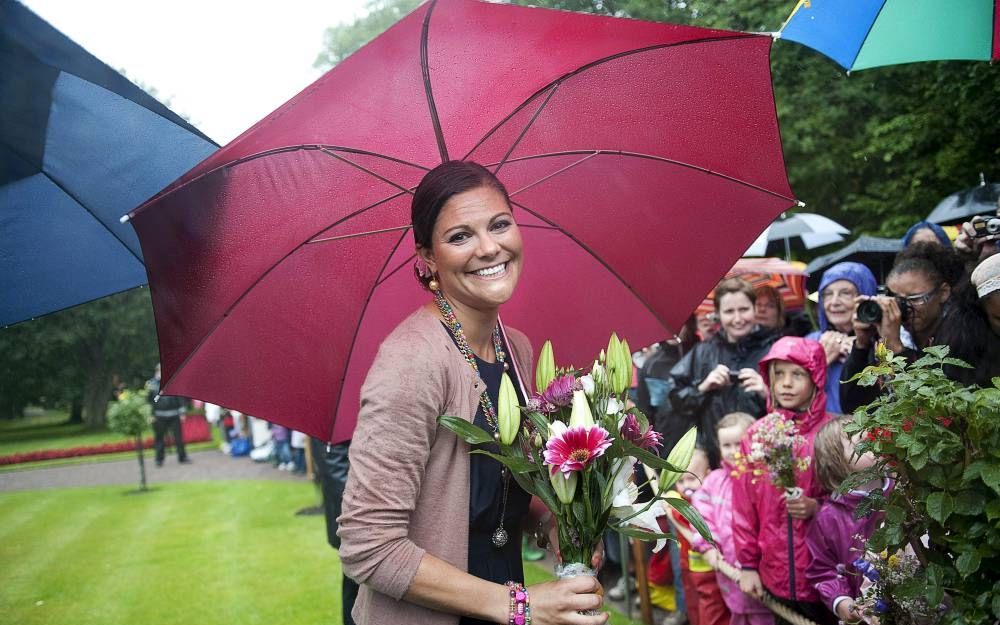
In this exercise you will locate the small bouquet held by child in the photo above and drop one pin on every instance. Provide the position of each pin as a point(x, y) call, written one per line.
point(772, 453)
point(574, 447)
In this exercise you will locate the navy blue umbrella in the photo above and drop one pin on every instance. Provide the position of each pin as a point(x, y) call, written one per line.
point(80, 146)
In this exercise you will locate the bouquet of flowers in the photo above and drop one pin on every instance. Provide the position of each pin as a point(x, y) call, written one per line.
point(880, 590)
point(574, 447)
point(772, 453)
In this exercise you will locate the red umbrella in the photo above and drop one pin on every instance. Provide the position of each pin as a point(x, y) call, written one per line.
point(634, 152)
point(786, 277)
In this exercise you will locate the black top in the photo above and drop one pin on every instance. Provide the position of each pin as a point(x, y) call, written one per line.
point(486, 487)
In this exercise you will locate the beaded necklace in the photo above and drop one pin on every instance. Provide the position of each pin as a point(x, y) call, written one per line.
point(500, 536)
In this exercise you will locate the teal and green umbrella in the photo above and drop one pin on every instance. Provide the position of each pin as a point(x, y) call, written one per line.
point(859, 34)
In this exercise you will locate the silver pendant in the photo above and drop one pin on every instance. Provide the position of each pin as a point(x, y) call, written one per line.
point(500, 537)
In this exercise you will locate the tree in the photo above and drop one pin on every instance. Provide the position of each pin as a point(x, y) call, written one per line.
point(71, 357)
point(342, 40)
point(129, 415)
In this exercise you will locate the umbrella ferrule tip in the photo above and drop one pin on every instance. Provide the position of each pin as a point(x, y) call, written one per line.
point(125, 218)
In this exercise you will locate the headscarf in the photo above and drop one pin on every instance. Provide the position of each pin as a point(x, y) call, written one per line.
point(986, 277)
point(920, 225)
point(857, 274)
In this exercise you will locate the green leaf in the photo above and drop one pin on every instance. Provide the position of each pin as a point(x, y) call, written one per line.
point(967, 563)
point(993, 510)
point(517, 465)
point(940, 506)
point(469, 433)
point(973, 471)
point(542, 490)
point(691, 514)
point(991, 476)
point(649, 459)
point(635, 532)
point(541, 423)
point(996, 595)
point(580, 512)
point(969, 502)
point(956, 362)
point(918, 461)
point(996, 384)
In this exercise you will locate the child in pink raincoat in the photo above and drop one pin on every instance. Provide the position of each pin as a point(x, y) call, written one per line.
point(794, 371)
point(714, 502)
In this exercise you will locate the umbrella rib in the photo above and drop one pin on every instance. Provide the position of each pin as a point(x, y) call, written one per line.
point(865, 38)
point(601, 61)
point(271, 152)
point(366, 170)
point(555, 173)
point(354, 338)
point(600, 260)
point(358, 234)
point(92, 214)
point(425, 71)
point(526, 128)
point(662, 159)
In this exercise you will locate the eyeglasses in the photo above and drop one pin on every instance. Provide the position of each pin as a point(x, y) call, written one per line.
point(920, 299)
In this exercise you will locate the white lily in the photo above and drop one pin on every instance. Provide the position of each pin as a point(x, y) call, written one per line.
point(587, 382)
point(556, 428)
point(644, 520)
point(614, 407)
point(580, 412)
point(621, 471)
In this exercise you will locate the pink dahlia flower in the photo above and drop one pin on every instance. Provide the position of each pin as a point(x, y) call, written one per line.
point(631, 431)
point(576, 447)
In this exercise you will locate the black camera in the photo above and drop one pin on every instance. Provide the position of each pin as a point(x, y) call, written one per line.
point(734, 377)
point(869, 310)
point(986, 227)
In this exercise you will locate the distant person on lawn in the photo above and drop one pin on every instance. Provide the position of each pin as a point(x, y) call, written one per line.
point(167, 412)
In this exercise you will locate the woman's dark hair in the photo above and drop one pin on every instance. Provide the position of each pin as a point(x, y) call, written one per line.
point(439, 185)
point(734, 285)
point(940, 264)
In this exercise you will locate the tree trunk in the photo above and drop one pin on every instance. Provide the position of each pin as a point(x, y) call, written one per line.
point(142, 462)
point(76, 411)
point(96, 394)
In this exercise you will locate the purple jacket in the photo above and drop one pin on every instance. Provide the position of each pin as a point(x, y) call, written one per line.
point(835, 540)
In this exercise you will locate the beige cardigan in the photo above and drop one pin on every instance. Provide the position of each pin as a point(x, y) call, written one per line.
point(408, 488)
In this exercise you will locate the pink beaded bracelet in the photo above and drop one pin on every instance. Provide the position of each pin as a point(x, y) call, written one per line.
point(520, 610)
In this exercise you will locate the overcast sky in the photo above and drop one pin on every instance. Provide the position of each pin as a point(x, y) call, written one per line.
point(225, 64)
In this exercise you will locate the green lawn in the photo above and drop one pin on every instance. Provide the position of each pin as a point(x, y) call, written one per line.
point(49, 431)
point(194, 552)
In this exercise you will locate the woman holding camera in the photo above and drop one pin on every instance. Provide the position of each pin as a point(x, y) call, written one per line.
point(923, 284)
point(720, 375)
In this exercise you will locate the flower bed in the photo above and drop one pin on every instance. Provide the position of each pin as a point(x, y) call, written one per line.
point(194, 429)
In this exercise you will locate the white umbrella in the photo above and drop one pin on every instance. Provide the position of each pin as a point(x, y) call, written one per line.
point(814, 230)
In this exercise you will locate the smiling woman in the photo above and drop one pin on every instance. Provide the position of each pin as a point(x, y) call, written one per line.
point(423, 522)
point(720, 375)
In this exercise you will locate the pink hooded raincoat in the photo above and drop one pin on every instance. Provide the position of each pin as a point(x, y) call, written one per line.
point(760, 515)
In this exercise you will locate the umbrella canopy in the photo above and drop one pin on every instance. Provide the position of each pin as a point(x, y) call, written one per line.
point(279, 264)
point(860, 34)
point(963, 205)
point(814, 231)
point(789, 279)
point(80, 146)
point(874, 252)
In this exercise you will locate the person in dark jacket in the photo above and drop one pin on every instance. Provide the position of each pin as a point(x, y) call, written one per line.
point(720, 376)
point(332, 467)
point(653, 379)
point(167, 413)
point(926, 282)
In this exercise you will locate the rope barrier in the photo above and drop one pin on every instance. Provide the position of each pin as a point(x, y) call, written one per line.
point(769, 602)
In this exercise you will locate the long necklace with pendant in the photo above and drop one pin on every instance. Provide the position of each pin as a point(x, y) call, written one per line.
point(500, 535)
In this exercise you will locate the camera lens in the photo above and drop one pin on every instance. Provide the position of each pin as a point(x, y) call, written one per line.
point(869, 311)
point(993, 226)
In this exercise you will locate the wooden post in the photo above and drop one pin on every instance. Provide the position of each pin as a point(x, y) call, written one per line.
point(642, 585)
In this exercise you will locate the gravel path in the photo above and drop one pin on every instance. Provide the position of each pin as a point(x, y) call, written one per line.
point(205, 465)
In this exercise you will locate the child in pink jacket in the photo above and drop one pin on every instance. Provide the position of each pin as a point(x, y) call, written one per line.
point(794, 371)
point(714, 501)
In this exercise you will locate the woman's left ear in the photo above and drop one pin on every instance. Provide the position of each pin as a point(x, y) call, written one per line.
point(945, 292)
point(427, 256)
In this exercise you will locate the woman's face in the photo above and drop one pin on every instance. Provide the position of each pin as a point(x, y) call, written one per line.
point(766, 311)
point(838, 303)
point(925, 235)
point(736, 314)
point(476, 250)
point(925, 299)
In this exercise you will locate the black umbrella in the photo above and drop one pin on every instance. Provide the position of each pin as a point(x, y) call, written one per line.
point(80, 146)
point(958, 207)
point(874, 252)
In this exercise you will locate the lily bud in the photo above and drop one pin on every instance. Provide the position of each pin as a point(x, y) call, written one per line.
point(680, 457)
point(580, 413)
point(508, 414)
point(602, 356)
point(599, 373)
point(619, 371)
point(564, 486)
point(545, 369)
